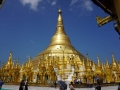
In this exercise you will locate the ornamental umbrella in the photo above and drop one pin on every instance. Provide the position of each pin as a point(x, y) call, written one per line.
point(62, 84)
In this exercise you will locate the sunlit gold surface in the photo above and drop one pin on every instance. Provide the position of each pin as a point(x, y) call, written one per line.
point(61, 59)
point(104, 20)
point(59, 39)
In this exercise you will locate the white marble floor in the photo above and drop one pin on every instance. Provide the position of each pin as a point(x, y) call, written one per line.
point(15, 87)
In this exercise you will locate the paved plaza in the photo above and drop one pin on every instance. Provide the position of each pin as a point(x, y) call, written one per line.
point(15, 87)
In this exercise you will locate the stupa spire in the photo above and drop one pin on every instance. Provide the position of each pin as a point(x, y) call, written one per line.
point(60, 36)
point(60, 20)
point(99, 64)
point(10, 57)
point(107, 63)
point(113, 59)
point(87, 62)
point(114, 64)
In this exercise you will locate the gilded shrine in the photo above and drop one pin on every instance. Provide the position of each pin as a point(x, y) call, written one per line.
point(60, 61)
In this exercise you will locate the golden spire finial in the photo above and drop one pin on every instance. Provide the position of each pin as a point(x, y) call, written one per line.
point(60, 20)
point(87, 56)
point(88, 63)
point(113, 60)
point(112, 56)
point(10, 53)
point(98, 61)
point(107, 64)
point(102, 66)
point(59, 11)
point(10, 57)
point(29, 58)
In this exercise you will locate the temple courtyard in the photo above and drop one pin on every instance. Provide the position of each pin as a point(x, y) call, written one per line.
point(15, 87)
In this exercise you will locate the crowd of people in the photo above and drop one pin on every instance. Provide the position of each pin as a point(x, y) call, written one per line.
point(61, 84)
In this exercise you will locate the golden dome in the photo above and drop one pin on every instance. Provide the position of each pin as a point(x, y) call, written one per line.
point(60, 44)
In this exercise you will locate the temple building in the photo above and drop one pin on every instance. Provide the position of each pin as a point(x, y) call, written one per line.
point(60, 61)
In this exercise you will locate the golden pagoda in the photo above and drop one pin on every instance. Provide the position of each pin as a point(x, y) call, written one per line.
point(59, 54)
point(60, 44)
point(60, 61)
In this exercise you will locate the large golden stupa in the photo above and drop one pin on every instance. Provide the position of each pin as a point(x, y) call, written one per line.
point(60, 44)
point(60, 61)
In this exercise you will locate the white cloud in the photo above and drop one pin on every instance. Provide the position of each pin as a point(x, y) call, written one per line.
point(73, 2)
point(33, 3)
point(54, 2)
point(88, 5)
point(82, 6)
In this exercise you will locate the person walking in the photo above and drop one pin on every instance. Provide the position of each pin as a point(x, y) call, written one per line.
point(119, 86)
point(80, 81)
point(98, 87)
point(71, 87)
point(26, 84)
point(89, 83)
point(1, 83)
point(55, 84)
point(95, 85)
point(22, 85)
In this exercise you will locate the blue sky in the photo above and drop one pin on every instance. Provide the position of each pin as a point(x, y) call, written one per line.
point(26, 28)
